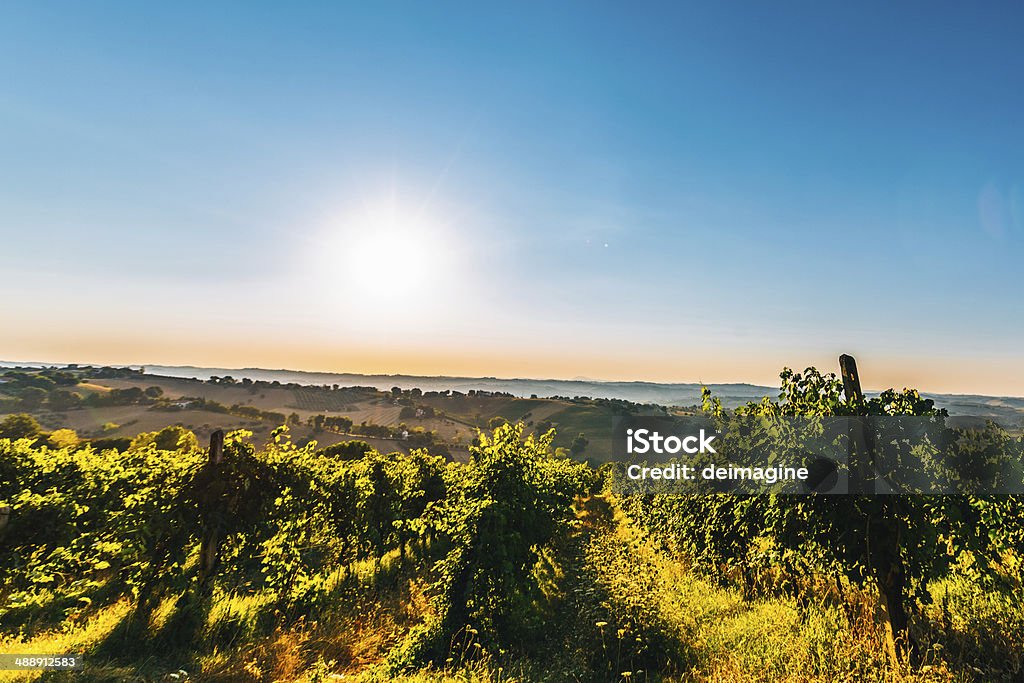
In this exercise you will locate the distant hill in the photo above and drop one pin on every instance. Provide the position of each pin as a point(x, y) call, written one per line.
point(637, 392)
point(1008, 411)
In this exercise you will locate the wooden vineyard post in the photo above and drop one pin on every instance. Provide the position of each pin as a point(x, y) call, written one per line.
point(862, 481)
point(211, 538)
point(216, 447)
point(861, 452)
point(5, 517)
point(851, 380)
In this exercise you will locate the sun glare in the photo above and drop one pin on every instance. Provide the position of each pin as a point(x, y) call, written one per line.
point(387, 260)
point(391, 249)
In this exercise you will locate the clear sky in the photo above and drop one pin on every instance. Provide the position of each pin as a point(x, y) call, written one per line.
point(671, 192)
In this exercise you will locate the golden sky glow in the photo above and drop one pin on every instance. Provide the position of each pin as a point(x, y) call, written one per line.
point(955, 375)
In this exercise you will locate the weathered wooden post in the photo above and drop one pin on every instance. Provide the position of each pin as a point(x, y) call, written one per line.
point(211, 541)
point(851, 380)
point(863, 476)
point(217, 446)
point(861, 452)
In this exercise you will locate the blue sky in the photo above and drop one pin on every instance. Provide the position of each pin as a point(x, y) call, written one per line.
point(672, 192)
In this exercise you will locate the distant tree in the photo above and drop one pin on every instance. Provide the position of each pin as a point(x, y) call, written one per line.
point(153, 392)
point(32, 398)
point(63, 438)
point(497, 421)
point(338, 423)
point(440, 449)
point(62, 399)
point(60, 378)
point(347, 450)
point(579, 444)
point(32, 380)
point(126, 397)
point(173, 438)
point(20, 426)
point(317, 423)
point(421, 438)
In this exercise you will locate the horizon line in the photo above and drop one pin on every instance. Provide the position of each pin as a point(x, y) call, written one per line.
point(469, 377)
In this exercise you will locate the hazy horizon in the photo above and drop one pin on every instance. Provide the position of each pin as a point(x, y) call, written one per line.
point(869, 387)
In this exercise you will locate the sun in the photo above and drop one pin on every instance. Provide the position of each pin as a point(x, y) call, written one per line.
point(386, 258)
point(395, 247)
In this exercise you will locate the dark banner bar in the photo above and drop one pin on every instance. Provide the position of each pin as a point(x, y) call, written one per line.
point(753, 455)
